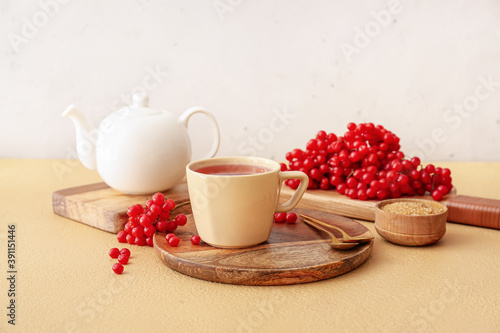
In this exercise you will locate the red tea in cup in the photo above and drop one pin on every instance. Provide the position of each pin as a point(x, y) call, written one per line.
point(232, 169)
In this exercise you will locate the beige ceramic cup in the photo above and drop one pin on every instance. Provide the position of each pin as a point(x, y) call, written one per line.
point(236, 211)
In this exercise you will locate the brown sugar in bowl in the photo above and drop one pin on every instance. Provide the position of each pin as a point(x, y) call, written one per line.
point(411, 222)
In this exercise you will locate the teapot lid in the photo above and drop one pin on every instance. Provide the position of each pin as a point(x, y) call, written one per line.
point(140, 99)
point(140, 107)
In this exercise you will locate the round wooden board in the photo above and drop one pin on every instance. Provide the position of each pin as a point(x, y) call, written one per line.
point(294, 253)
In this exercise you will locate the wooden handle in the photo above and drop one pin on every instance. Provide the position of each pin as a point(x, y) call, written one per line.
point(475, 211)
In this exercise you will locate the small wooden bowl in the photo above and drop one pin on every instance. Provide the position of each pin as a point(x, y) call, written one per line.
point(411, 230)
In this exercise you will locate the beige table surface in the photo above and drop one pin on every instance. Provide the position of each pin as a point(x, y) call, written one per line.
point(65, 283)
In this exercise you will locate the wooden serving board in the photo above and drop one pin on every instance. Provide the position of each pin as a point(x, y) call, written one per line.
point(294, 253)
point(102, 207)
point(462, 209)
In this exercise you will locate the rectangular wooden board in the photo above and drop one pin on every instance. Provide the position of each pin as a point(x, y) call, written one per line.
point(102, 207)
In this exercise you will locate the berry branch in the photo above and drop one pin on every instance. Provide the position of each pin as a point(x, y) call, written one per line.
point(365, 163)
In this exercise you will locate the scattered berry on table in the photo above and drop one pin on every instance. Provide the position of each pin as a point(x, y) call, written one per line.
point(123, 259)
point(279, 217)
point(125, 251)
point(114, 252)
point(291, 217)
point(117, 268)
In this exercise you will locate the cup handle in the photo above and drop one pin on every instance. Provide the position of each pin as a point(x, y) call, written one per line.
point(297, 195)
point(184, 118)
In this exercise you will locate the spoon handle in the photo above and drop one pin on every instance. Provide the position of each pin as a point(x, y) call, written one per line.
point(314, 225)
point(344, 234)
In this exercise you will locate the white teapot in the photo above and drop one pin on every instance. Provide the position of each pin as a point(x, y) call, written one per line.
point(138, 149)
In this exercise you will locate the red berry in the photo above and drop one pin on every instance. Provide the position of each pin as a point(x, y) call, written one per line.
point(123, 259)
point(145, 220)
point(321, 135)
point(324, 184)
point(358, 174)
point(361, 194)
point(122, 236)
point(341, 188)
point(315, 174)
point(415, 161)
point(446, 172)
point(367, 178)
point(291, 217)
point(169, 235)
point(355, 156)
point(174, 241)
point(125, 251)
point(297, 154)
point(127, 228)
point(130, 239)
point(280, 217)
point(437, 195)
point(138, 231)
point(331, 137)
point(351, 182)
point(149, 241)
point(158, 199)
point(161, 226)
point(430, 168)
point(443, 188)
point(140, 209)
point(181, 219)
point(308, 163)
point(171, 204)
point(149, 230)
point(133, 211)
point(118, 268)
point(155, 210)
point(171, 226)
point(195, 239)
point(166, 207)
point(406, 165)
point(324, 168)
point(141, 241)
point(164, 215)
point(312, 144)
point(402, 179)
point(382, 194)
point(114, 252)
point(371, 193)
point(133, 221)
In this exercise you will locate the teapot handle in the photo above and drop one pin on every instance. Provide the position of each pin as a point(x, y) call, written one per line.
point(184, 118)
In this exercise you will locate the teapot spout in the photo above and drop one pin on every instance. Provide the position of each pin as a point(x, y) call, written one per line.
point(85, 146)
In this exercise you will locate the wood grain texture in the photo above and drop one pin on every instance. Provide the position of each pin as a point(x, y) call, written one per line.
point(462, 209)
point(102, 207)
point(294, 253)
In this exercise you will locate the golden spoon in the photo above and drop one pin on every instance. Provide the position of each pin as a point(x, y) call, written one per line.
point(346, 237)
point(336, 244)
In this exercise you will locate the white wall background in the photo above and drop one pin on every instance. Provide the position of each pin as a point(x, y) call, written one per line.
point(423, 70)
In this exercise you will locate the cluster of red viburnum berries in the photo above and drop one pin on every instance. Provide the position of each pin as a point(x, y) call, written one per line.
point(366, 163)
point(143, 223)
